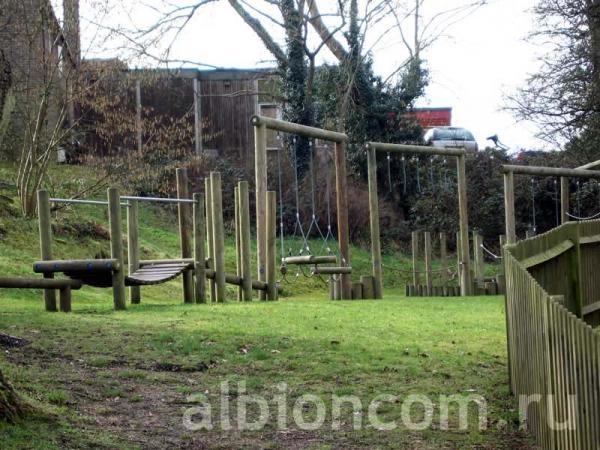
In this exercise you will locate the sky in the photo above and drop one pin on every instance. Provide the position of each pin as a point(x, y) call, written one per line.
point(473, 67)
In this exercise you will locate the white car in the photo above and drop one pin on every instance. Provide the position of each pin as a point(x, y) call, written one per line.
point(446, 137)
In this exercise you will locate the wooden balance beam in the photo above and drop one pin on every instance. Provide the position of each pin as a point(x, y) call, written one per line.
point(64, 287)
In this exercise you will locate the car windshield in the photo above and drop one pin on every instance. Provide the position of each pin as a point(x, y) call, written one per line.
point(455, 134)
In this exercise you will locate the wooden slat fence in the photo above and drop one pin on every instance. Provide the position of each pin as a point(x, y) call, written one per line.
point(553, 352)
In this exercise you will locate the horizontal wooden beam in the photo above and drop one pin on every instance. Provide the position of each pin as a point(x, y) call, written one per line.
point(415, 149)
point(237, 281)
point(309, 260)
point(547, 255)
point(76, 265)
point(176, 261)
point(301, 130)
point(331, 270)
point(39, 283)
point(590, 165)
point(550, 171)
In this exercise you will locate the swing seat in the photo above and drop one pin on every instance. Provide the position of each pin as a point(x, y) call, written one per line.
point(309, 260)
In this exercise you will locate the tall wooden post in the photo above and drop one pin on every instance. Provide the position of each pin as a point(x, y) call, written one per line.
point(374, 223)
point(133, 248)
point(209, 238)
point(565, 198)
point(185, 232)
point(197, 117)
point(260, 161)
point(199, 249)
point(116, 248)
point(444, 257)
point(428, 254)
point(415, 258)
point(478, 258)
point(218, 235)
point(341, 183)
point(271, 244)
point(509, 207)
point(458, 256)
point(45, 228)
point(245, 240)
point(237, 229)
point(466, 287)
point(138, 115)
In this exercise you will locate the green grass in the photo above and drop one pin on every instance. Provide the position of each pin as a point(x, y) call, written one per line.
point(106, 379)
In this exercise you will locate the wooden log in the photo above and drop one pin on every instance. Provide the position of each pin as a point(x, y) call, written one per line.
point(38, 283)
point(76, 265)
point(45, 230)
point(218, 235)
point(185, 232)
point(246, 259)
point(237, 281)
point(133, 249)
point(565, 199)
point(463, 214)
point(238, 253)
point(331, 288)
point(175, 261)
point(337, 290)
point(368, 287)
point(294, 128)
point(65, 299)
point(199, 249)
point(509, 208)
point(374, 224)
point(332, 271)
point(428, 257)
point(209, 238)
point(550, 171)
point(116, 248)
point(415, 257)
point(444, 257)
point(309, 260)
point(271, 267)
point(411, 290)
point(341, 185)
point(478, 258)
point(415, 149)
point(260, 162)
point(357, 291)
point(490, 288)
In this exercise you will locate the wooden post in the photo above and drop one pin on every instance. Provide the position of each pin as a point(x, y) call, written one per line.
point(218, 235)
point(415, 258)
point(138, 115)
point(509, 208)
point(341, 183)
point(428, 254)
point(209, 237)
point(260, 162)
point(565, 198)
point(245, 240)
point(466, 287)
point(45, 228)
point(197, 117)
point(237, 229)
point(368, 287)
point(271, 244)
point(478, 258)
point(133, 248)
point(199, 249)
point(65, 299)
point(374, 223)
point(458, 256)
point(444, 257)
point(185, 232)
point(116, 248)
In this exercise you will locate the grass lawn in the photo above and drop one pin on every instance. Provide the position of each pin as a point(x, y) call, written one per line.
point(104, 379)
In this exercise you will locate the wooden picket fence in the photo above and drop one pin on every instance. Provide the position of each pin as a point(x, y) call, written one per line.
point(553, 288)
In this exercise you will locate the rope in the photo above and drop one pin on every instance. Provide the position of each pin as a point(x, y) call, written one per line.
point(573, 216)
point(489, 252)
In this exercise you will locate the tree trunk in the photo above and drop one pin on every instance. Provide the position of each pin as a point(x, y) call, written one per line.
point(11, 406)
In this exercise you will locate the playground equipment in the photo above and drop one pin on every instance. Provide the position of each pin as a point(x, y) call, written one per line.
point(344, 290)
point(192, 266)
point(466, 287)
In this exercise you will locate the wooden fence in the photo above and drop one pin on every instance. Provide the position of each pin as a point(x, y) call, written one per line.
point(554, 360)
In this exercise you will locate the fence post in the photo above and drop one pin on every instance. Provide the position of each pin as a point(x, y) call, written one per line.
point(245, 240)
point(237, 229)
point(260, 161)
point(199, 248)
point(415, 258)
point(185, 230)
point(209, 237)
point(218, 235)
point(428, 274)
point(133, 248)
point(271, 244)
point(466, 286)
point(116, 248)
point(45, 228)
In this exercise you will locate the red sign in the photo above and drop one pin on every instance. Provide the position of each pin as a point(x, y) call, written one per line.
point(431, 117)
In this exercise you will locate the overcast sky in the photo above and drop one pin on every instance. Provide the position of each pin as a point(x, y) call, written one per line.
point(480, 60)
